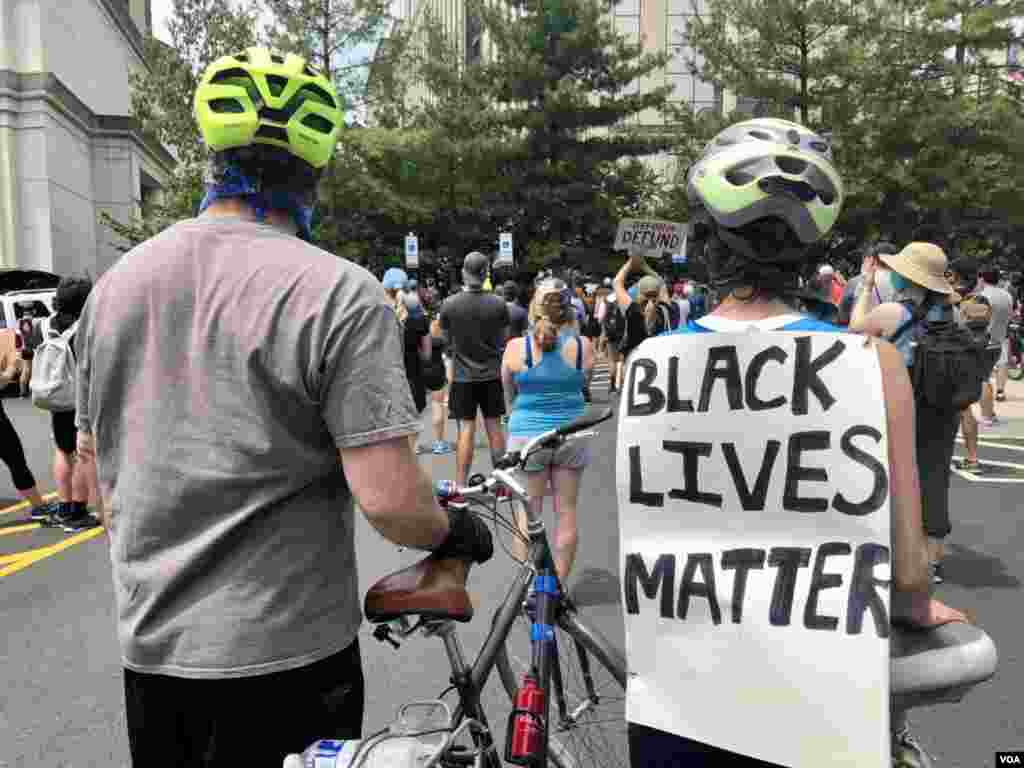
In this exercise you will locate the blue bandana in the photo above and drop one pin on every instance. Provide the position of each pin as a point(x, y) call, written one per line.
point(234, 183)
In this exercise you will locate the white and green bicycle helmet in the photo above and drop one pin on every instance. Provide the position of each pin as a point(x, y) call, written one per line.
point(768, 168)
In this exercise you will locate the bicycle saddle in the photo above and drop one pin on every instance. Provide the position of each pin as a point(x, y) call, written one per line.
point(434, 589)
point(940, 664)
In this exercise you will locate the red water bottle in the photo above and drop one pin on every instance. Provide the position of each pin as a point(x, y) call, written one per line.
point(524, 742)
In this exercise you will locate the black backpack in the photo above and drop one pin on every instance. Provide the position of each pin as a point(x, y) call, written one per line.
point(614, 324)
point(950, 363)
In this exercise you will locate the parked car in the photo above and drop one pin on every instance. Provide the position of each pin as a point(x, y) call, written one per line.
point(25, 293)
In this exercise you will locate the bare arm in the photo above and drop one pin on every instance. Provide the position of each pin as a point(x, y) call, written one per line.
point(394, 493)
point(619, 284)
point(426, 348)
point(881, 322)
point(909, 555)
point(85, 449)
point(910, 599)
point(588, 354)
point(864, 301)
point(513, 352)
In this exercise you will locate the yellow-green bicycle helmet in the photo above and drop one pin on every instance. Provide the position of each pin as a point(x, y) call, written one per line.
point(259, 97)
point(769, 167)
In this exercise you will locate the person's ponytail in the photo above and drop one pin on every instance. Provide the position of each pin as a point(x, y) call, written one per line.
point(545, 333)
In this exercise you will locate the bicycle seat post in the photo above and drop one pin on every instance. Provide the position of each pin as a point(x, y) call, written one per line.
point(456, 658)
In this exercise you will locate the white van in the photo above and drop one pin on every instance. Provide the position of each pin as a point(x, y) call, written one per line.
point(16, 304)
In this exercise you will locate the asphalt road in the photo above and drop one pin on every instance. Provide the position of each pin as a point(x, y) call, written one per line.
point(61, 703)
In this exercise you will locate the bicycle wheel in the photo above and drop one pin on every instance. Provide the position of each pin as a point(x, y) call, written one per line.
point(589, 727)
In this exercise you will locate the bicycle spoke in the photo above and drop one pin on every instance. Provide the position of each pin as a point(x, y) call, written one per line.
point(587, 727)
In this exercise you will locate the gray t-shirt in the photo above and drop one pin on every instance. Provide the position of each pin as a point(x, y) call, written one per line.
point(476, 324)
point(1002, 308)
point(221, 365)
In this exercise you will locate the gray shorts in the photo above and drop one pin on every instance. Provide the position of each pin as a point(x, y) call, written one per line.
point(573, 454)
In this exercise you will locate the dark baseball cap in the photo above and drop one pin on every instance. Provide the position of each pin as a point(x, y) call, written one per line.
point(474, 269)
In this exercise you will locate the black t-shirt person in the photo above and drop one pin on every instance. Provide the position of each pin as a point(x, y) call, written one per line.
point(636, 324)
point(475, 322)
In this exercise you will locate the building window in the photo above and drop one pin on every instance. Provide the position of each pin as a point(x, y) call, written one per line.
point(678, 71)
point(626, 18)
point(474, 37)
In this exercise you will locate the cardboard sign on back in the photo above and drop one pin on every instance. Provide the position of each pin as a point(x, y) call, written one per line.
point(753, 484)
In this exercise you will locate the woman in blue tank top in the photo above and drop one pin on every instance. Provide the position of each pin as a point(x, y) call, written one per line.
point(918, 278)
point(760, 195)
point(545, 371)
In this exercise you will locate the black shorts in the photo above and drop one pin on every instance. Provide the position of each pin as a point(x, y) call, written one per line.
point(465, 397)
point(65, 433)
point(243, 721)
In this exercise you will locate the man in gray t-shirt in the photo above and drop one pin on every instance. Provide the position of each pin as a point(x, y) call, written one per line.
point(238, 390)
point(1002, 308)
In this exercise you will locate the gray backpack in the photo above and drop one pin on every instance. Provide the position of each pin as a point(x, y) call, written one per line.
point(53, 372)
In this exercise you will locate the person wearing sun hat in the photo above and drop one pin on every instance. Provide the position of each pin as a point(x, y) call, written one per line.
point(918, 277)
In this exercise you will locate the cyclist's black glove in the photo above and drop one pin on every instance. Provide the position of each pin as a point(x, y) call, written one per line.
point(469, 538)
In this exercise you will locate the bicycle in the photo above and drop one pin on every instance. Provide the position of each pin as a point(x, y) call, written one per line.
point(430, 597)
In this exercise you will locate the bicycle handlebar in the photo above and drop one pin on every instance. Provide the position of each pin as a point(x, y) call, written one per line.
point(517, 459)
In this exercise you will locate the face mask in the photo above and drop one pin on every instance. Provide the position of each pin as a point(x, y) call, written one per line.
point(898, 281)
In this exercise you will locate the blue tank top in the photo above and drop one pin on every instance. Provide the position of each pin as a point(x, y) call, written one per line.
point(904, 342)
point(550, 393)
point(802, 324)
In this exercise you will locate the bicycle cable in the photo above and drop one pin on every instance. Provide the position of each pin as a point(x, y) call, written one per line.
point(500, 521)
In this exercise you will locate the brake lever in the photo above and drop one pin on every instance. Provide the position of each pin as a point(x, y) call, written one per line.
point(383, 633)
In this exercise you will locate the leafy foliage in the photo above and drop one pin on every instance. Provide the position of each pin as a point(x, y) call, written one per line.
point(925, 126)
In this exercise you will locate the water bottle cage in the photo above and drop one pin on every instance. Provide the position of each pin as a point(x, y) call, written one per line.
point(527, 760)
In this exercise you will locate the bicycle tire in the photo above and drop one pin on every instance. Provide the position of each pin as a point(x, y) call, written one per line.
point(596, 735)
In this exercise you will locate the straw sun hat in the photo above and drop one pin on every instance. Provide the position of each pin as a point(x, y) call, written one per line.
point(923, 264)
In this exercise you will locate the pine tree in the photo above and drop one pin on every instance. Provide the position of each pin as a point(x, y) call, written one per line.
point(924, 125)
point(562, 82)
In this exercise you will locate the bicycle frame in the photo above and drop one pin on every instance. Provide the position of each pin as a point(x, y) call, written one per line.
point(469, 681)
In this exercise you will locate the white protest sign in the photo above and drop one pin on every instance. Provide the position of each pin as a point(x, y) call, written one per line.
point(412, 251)
point(649, 237)
point(505, 258)
point(754, 512)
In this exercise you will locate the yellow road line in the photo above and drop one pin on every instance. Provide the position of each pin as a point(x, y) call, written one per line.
point(35, 555)
point(4, 559)
point(19, 529)
point(21, 505)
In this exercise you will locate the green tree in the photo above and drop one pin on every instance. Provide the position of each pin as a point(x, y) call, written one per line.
point(943, 149)
point(563, 85)
point(201, 31)
point(336, 36)
point(924, 128)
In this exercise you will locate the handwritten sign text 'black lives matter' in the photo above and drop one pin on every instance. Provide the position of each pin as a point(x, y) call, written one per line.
point(754, 509)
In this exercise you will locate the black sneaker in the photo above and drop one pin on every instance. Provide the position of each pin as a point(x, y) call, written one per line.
point(44, 512)
point(82, 523)
point(935, 571)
